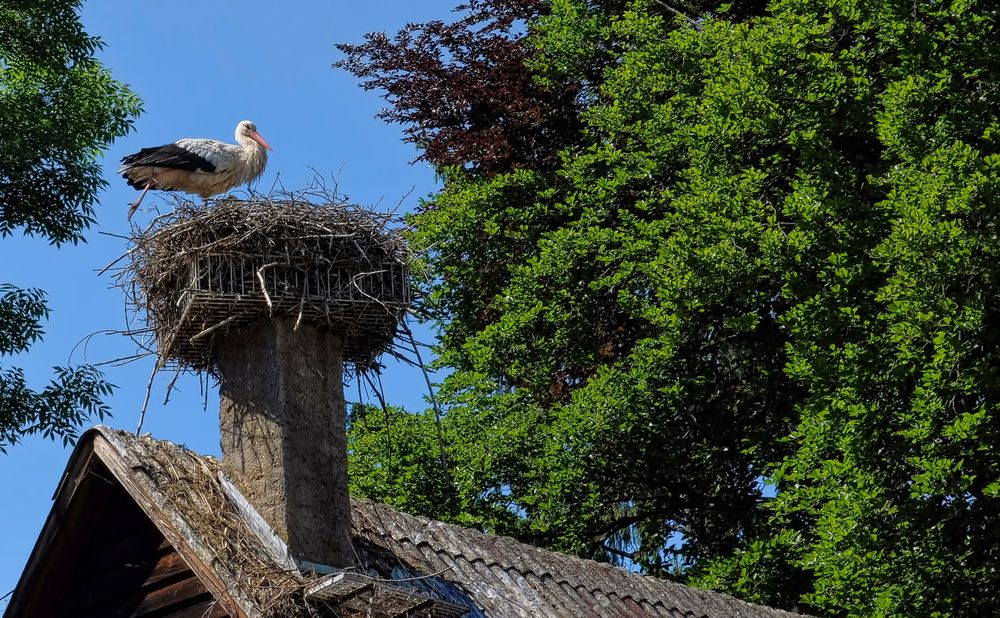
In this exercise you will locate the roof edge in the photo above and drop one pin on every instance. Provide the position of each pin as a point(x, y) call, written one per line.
point(116, 455)
point(102, 442)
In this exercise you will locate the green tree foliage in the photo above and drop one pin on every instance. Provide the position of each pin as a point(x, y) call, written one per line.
point(58, 108)
point(394, 457)
point(770, 254)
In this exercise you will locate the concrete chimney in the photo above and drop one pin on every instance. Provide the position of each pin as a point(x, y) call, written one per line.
point(284, 442)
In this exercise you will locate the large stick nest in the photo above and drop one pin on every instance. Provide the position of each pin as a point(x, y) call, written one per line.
point(202, 273)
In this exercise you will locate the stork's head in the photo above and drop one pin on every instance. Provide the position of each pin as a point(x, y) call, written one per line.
point(248, 130)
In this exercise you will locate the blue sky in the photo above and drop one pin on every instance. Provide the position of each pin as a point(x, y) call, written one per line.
point(200, 68)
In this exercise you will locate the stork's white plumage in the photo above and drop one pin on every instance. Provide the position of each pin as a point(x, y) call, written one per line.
point(205, 167)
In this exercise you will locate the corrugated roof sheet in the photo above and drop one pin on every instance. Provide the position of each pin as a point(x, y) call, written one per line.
point(494, 576)
point(523, 580)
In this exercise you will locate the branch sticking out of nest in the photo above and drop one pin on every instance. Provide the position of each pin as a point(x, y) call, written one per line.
point(202, 273)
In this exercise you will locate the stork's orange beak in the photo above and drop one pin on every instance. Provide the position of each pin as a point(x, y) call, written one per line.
point(257, 137)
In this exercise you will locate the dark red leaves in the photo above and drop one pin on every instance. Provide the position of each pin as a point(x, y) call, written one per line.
point(463, 91)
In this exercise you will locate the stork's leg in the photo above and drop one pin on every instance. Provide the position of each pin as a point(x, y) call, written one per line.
point(136, 203)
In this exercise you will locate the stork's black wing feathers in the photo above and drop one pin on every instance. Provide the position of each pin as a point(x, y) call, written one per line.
point(170, 156)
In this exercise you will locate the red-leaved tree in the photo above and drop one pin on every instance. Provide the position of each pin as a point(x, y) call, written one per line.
point(463, 91)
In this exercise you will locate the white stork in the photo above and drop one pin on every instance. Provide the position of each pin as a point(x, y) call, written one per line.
point(204, 166)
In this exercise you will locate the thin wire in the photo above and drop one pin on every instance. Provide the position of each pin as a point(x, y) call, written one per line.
point(430, 391)
point(385, 414)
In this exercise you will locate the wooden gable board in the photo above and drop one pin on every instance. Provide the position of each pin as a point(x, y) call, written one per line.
point(77, 563)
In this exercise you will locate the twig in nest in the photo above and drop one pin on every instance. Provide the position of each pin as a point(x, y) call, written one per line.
point(115, 261)
point(298, 320)
point(86, 342)
point(145, 401)
point(170, 387)
point(263, 287)
point(122, 360)
point(216, 327)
